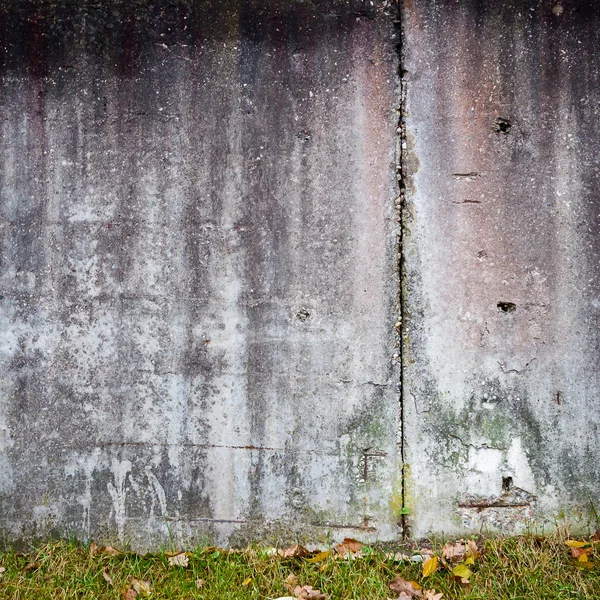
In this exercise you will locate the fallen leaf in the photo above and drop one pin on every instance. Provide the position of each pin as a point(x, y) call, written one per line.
point(431, 595)
point(319, 557)
point(403, 596)
point(110, 550)
point(141, 586)
point(470, 560)
point(31, 567)
point(247, 581)
point(397, 556)
point(454, 552)
point(473, 550)
point(106, 576)
point(578, 552)
point(129, 593)
point(179, 560)
point(306, 592)
point(402, 586)
point(583, 558)
point(285, 598)
point(93, 550)
point(293, 551)
point(430, 566)
point(348, 545)
point(2, 571)
point(577, 544)
point(199, 583)
point(462, 571)
point(291, 581)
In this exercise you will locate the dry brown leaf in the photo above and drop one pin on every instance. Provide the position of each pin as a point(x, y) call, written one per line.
point(106, 576)
point(430, 566)
point(199, 583)
point(179, 560)
point(463, 582)
point(129, 593)
point(93, 550)
point(431, 595)
point(348, 545)
point(141, 586)
point(291, 581)
point(306, 592)
point(2, 571)
point(293, 551)
point(473, 550)
point(579, 552)
point(110, 550)
point(403, 596)
point(31, 567)
point(410, 588)
point(454, 551)
point(397, 556)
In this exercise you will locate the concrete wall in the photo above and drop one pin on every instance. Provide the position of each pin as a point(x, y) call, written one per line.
point(501, 279)
point(197, 248)
point(199, 270)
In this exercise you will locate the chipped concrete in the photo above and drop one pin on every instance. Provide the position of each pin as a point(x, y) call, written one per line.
point(197, 250)
point(501, 276)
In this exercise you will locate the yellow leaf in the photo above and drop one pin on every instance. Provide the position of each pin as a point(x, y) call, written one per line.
point(462, 571)
point(584, 565)
point(319, 557)
point(430, 566)
point(470, 560)
point(583, 557)
point(577, 544)
point(323, 567)
point(248, 581)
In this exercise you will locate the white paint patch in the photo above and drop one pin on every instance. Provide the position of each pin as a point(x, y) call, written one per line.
point(159, 491)
point(484, 471)
point(519, 466)
point(118, 494)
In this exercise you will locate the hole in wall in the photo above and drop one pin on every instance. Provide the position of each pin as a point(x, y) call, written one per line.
point(303, 315)
point(502, 125)
point(304, 135)
point(507, 307)
point(507, 484)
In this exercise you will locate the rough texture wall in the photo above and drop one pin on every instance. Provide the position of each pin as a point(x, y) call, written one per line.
point(197, 249)
point(502, 280)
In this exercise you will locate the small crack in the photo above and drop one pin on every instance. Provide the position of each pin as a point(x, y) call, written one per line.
point(474, 446)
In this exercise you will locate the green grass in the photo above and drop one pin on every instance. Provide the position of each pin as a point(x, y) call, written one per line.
point(521, 567)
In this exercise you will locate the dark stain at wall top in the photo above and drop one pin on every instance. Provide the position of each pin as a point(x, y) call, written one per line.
point(40, 37)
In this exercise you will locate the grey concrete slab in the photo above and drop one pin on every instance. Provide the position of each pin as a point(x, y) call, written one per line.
point(197, 254)
point(501, 283)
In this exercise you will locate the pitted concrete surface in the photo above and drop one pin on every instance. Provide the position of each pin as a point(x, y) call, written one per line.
point(502, 280)
point(197, 250)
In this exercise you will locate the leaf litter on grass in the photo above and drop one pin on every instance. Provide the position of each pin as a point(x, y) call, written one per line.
point(525, 567)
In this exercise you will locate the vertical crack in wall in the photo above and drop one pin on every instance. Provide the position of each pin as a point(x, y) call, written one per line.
point(399, 206)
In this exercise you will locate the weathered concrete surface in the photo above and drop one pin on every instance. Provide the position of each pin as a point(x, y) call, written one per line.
point(502, 277)
point(197, 250)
